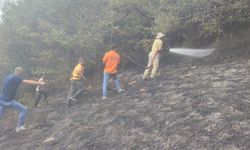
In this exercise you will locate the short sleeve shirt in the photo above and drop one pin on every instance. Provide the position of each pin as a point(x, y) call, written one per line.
point(111, 60)
point(10, 86)
point(77, 72)
point(157, 45)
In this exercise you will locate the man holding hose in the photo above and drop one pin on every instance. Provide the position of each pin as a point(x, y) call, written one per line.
point(153, 57)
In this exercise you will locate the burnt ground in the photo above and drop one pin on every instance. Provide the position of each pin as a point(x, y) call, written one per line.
point(190, 106)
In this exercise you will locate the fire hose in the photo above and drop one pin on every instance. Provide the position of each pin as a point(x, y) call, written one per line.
point(137, 64)
point(109, 88)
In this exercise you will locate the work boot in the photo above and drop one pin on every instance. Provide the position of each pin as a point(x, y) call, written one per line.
point(73, 99)
point(146, 79)
point(121, 90)
point(68, 103)
point(18, 129)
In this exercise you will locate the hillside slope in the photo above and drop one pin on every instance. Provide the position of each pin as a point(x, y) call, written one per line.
point(186, 107)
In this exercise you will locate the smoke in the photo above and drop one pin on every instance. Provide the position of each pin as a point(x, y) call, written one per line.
point(191, 52)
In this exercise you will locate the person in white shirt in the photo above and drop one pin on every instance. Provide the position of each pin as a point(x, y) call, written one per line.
point(41, 91)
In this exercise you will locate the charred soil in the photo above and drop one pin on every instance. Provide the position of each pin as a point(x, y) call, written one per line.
point(188, 106)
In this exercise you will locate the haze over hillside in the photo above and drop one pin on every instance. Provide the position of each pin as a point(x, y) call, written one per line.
point(194, 103)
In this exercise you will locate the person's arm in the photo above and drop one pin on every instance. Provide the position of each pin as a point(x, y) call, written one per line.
point(160, 43)
point(32, 82)
point(81, 72)
point(41, 80)
point(164, 48)
point(119, 59)
point(104, 59)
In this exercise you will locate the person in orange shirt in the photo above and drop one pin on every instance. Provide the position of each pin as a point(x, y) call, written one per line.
point(76, 81)
point(111, 60)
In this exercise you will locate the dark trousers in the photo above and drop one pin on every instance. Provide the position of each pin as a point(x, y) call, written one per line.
point(75, 89)
point(39, 94)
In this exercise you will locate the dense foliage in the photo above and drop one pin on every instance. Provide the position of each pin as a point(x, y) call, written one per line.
point(47, 36)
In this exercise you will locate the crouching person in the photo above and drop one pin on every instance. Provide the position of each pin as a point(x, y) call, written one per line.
point(7, 98)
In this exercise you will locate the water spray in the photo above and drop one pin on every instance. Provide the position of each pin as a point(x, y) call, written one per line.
point(198, 53)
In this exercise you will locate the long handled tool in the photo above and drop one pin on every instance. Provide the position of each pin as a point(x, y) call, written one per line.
point(137, 64)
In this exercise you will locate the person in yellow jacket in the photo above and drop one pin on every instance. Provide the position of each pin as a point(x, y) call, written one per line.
point(153, 57)
point(76, 81)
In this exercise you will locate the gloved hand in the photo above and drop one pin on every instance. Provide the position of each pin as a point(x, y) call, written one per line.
point(164, 50)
